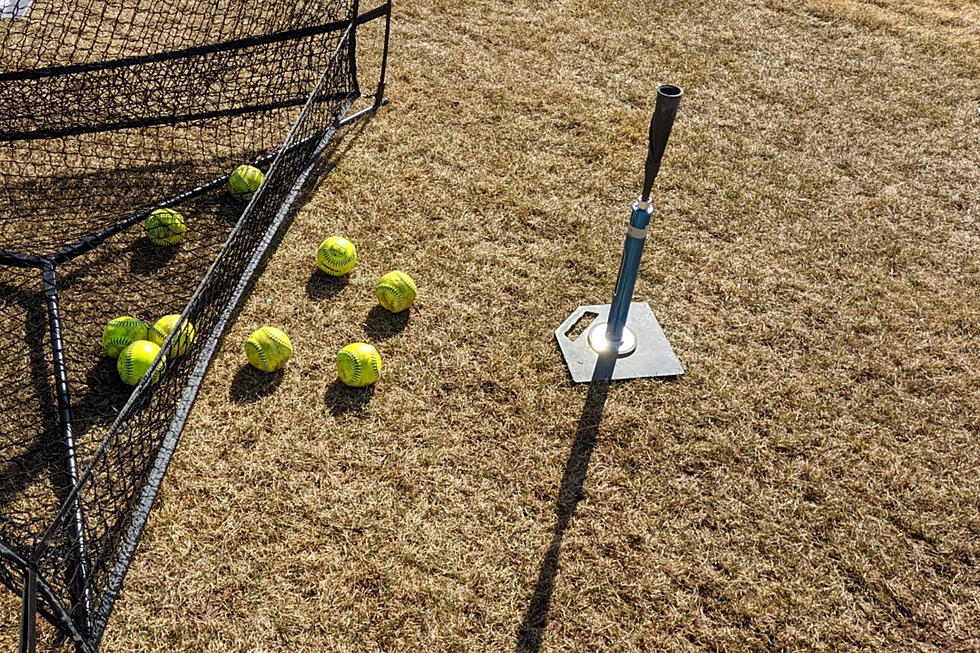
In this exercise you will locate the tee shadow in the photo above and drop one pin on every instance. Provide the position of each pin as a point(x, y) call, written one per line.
point(531, 630)
point(382, 324)
point(341, 398)
point(321, 285)
point(250, 384)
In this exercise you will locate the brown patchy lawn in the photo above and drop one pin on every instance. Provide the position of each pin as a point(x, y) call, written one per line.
point(812, 482)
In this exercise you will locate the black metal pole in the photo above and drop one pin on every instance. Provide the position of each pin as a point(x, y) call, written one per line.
point(78, 581)
point(28, 615)
point(352, 46)
point(379, 96)
point(354, 117)
point(41, 600)
point(16, 260)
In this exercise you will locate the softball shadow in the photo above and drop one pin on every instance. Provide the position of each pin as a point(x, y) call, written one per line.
point(251, 384)
point(147, 259)
point(382, 324)
point(341, 398)
point(101, 398)
point(324, 286)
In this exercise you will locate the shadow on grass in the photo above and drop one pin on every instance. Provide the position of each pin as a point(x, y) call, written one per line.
point(40, 452)
point(251, 384)
point(147, 258)
point(382, 324)
point(227, 209)
point(342, 398)
point(569, 494)
point(321, 285)
point(103, 396)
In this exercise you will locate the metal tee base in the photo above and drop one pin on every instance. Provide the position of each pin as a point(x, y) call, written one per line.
point(652, 356)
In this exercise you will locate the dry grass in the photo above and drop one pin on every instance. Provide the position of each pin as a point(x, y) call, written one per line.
point(811, 483)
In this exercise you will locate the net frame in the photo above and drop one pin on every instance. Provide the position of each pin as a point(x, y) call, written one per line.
point(73, 573)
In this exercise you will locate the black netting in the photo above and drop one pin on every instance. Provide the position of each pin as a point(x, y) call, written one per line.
point(112, 110)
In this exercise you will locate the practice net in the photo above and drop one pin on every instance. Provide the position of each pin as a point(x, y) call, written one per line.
point(110, 109)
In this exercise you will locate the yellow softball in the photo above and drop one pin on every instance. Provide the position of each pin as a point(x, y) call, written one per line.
point(160, 329)
point(122, 332)
point(359, 364)
point(336, 256)
point(244, 181)
point(135, 360)
point(164, 227)
point(396, 291)
point(268, 348)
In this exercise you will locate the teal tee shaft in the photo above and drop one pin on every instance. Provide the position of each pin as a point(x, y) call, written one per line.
point(632, 251)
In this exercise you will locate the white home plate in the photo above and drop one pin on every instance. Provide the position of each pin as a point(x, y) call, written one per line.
point(14, 8)
point(653, 356)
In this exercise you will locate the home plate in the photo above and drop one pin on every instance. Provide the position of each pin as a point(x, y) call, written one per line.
point(652, 357)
